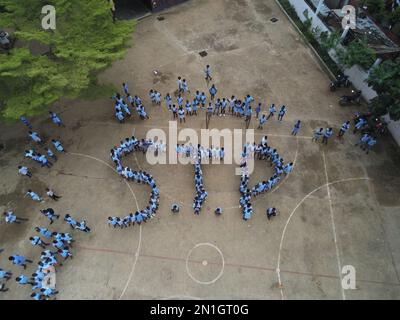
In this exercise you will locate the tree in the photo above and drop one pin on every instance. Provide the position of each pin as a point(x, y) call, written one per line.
point(357, 52)
point(329, 40)
point(385, 80)
point(376, 8)
point(85, 42)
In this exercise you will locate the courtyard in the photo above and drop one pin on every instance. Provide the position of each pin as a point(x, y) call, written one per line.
point(339, 207)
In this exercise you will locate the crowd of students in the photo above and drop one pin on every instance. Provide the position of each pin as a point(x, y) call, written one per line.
point(56, 245)
point(200, 152)
point(217, 106)
point(126, 147)
point(261, 152)
point(201, 193)
point(122, 110)
point(42, 280)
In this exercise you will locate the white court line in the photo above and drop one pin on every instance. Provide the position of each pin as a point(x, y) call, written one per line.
point(137, 249)
point(290, 217)
point(222, 268)
point(333, 226)
point(140, 227)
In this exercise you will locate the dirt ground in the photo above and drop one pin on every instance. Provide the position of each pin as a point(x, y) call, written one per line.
point(339, 207)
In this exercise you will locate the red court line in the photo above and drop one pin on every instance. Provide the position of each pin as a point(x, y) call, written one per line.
point(231, 265)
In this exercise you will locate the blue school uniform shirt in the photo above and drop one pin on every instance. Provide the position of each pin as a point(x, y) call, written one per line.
point(247, 214)
point(328, 133)
point(2, 274)
point(139, 217)
point(10, 217)
point(23, 279)
point(19, 260)
point(288, 168)
point(119, 116)
point(58, 145)
point(345, 126)
point(44, 232)
point(272, 109)
point(36, 240)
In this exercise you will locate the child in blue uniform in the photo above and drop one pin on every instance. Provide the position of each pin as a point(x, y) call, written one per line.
point(282, 113)
point(168, 101)
point(296, 128)
point(272, 111)
point(213, 91)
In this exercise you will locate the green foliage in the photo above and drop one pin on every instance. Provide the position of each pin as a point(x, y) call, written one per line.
point(85, 42)
point(385, 80)
point(376, 8)
point(329, 41)
point(357, 52)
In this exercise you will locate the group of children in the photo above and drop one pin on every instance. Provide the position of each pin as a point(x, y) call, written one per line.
point(262, 152)
point(201, 193)
point(40, 281)
point(126, 147)
point(122, 109)
point(187, 107)
point(366, 142)
point(200, 152)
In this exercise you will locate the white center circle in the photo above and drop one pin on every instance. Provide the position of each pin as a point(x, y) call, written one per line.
point(205, 263)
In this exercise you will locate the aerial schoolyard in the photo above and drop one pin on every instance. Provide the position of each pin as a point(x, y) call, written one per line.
point(339, 207)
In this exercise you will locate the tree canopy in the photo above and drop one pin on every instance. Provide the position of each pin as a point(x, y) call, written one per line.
point(385, 80)
point(357, 52)
point(84, 42)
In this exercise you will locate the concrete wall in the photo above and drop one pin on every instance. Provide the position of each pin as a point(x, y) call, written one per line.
point(358, 77)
